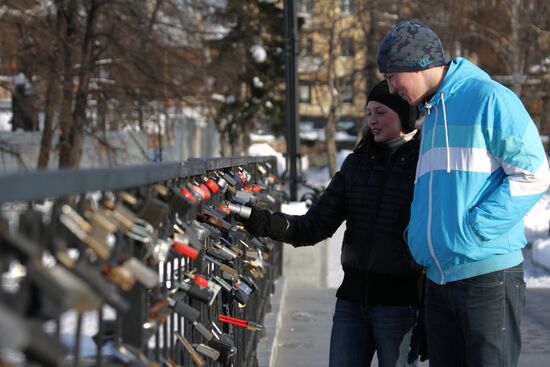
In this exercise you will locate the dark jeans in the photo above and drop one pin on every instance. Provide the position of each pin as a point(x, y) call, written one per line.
point(360, 331)
point(476, 321)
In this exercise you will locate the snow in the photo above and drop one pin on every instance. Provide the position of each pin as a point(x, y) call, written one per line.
point(294, 208)
point(264, 149)
point(319, 134)
point(537, 231)
point(217, 97)
point(5, 121)
point(258, 53)
point(257, 82)
point(537, 219)
point(541, 252)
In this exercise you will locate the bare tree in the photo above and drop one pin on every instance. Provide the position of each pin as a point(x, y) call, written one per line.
point(503, 37)
point(338, 76)
point(98, 64)
point(29, 44)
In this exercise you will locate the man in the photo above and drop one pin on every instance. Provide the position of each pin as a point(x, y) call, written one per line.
point(481, 168)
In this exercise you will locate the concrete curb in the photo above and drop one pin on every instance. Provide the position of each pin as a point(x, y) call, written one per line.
point(267, 346)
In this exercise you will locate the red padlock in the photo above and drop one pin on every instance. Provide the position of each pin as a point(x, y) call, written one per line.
point(200, 191)
point(206, 191)
point(225, 209)
point(188, 195)
point(185, 250)
point(201, 281)
point(242, 176)
point(212, 185)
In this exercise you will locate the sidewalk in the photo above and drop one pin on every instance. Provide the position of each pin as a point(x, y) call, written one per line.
point(306, 318)
point(304, 336)
point(298, 329)
point(535, 328)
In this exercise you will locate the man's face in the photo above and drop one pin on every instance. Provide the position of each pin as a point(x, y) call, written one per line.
point(409, 85)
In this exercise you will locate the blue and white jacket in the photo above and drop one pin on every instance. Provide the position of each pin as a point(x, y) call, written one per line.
point(482, 166)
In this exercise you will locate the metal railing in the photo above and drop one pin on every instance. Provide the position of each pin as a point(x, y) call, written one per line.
point(153, 250)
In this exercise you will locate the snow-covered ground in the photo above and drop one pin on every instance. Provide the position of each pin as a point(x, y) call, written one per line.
point(537, 254)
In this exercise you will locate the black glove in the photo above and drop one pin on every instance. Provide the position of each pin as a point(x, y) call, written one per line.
point(257, 223)
point(419, 339)
point(264, 224)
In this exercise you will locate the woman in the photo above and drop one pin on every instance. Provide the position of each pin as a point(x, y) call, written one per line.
point(377, 302)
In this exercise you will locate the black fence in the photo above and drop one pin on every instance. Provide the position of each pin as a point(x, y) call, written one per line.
point(156, 253)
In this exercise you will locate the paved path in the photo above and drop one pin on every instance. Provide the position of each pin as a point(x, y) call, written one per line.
point(536, 329)
point(306, 317)
point(304, 335)
point(298, 330)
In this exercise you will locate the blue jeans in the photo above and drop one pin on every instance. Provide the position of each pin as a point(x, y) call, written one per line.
point(476, 321)
point(360, 331)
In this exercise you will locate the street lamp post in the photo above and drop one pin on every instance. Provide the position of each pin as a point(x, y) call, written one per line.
point(291, 105)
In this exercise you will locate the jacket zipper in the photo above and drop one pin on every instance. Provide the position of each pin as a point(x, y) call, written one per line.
point(380, 192)
point(430, 201)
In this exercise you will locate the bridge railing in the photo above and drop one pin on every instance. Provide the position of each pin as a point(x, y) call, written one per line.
point(155, 254)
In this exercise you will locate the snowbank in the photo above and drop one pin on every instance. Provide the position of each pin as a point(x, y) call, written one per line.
point(264, 149)
point(541, 252)
point(537, 232)
point(537, 219)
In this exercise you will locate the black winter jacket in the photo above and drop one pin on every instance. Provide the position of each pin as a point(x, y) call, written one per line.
point(372, 192)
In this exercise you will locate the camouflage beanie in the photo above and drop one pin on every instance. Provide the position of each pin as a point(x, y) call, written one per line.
point(410, 46)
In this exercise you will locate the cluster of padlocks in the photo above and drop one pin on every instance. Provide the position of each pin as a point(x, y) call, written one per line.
point(167, 266)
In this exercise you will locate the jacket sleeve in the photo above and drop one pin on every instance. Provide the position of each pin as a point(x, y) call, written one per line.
point(513, 140)
point(323, 218)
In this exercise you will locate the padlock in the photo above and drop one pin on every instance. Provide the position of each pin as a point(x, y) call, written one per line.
point(153, 211)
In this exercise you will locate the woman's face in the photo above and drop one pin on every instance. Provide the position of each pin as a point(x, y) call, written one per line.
point(383, 122)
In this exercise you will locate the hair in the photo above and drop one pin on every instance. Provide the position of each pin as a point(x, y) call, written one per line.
point(365, 142)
